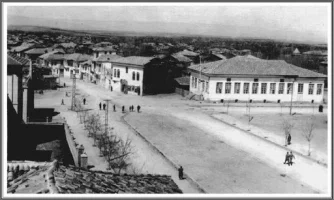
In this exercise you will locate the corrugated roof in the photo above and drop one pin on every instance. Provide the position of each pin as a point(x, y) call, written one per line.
point(181, 58)
point(78, 57)
point(133, 60)
point(104, 49)
point(33, 177)
point(16, 60)
point(241, 65)
point(185, 80)
point(106, 58)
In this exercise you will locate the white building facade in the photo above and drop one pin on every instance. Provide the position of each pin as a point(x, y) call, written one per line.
point(282, 85)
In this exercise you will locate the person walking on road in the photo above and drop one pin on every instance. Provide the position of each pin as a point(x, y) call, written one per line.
point(180, 173)
point(287, 156)
point(84, 101)
point(104, 106)
point(114, 108)
point(64, 84)
point(138, 108)
point(130, 108)
point(62, 102)
point(289, 139)
point(100, 105)
point(291, 157)
point(123, 108)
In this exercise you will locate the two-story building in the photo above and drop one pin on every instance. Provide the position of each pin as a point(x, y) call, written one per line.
point(245, 79)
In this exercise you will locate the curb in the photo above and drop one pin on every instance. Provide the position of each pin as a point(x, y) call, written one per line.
point(193, 182)
point(277, 145)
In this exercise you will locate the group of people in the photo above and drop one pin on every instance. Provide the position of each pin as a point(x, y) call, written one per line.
point(131, 108)
point(288, 158)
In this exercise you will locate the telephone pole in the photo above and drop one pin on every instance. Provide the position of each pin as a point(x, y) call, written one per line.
point(106, 116)
point(73, 90)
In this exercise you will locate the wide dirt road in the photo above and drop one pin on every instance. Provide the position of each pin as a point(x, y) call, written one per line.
point(208, 149)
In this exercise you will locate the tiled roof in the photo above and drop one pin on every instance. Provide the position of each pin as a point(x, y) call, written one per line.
point(37, 51)
point(20, 48)
point(107, 58)
point(185, 80)
point(133, 60)
point(47, 55)
point(220, 56)
point(16, 60)
point(55, 57)
point(103, 49)
point(241, 65)
point(51, 178)
point(181, 58)
point(68, 45)
point(188, 53)
point(78, 57)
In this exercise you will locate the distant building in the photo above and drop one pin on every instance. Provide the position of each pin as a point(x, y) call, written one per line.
point(242, 78)
point(103, 51)
point(296, 52)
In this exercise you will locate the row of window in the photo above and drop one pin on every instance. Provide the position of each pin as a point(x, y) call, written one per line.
point(272, 90)
point(135, 76)
point(204, 85)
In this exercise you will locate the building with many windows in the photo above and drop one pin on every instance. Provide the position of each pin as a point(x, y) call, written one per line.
point(245, 78)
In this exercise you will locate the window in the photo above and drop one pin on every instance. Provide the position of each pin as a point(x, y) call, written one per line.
point(219, 87)
point(195, 82)
point(97, 54)
point(70, 62)
point(289, 90)
point(138, 76)
point(246, 88)
point(115, 73)
point(281, 88)
point(236, 88)
point(319, 88)
point(126, 70)
point(118, 73)
point(300, 88)
point(310, 88)
point(263, 88)
point(281, 80)
point(272, 88)
point(255, 88)
point(206, 86)
point(227, 88)
point(133, 75)
point(203, 85)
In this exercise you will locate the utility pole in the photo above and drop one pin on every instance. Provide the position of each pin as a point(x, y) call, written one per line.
point(291, 97)
point(73, 90)
point(106, 116)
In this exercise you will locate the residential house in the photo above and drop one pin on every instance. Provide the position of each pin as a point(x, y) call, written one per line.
point(72, 62)
point(103, 51)
point(190, 54)
point(244, 79)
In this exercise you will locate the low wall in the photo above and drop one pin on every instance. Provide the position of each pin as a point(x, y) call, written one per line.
point(71, 143)
point(182, 92)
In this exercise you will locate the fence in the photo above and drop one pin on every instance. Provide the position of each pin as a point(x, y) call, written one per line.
point(181, 91)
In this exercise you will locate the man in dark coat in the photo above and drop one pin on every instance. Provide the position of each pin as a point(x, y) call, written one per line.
point(289, 139)
point(100, 105)
point(64, 85)
point(180, 173)
point(138, 108)
point(291, 157)
point(287, 156)
point(104, 106)
point(84, 101)
point(62, 102)
point(114, 108)
point(123, 108)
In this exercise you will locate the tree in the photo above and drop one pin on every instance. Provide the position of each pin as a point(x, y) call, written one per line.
point(308, 133)
point(287, 127)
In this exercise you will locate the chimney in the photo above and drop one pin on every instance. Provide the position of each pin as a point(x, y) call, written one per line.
point(84, 160)
point(80, 151)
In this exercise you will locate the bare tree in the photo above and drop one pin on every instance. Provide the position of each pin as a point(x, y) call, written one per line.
point(93, 126)
point(287, 128)
point(308, 133)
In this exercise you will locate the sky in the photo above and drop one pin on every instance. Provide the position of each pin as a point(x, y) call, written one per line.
point(306, 22)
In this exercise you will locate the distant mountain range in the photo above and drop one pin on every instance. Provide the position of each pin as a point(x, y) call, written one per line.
point(124, 28)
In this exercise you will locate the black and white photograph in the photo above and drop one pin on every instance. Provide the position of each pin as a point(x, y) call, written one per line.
point(172, 100)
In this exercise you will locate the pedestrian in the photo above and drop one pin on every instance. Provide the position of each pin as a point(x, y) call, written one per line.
point(130, 108)
point(133, 108)
point(62, 102)
point(180, 173)
point(138, 108)
point(123, 109)
point(291, 157)
point(287, 156)
point(114, 108)
point(100, 105)
point(289, 139)
point(104, 106)
point(64, 84)
point(84, 101)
